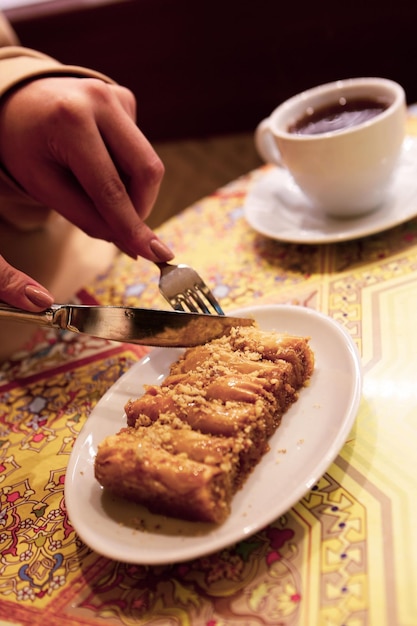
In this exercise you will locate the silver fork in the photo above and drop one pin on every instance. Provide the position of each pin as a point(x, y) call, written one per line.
point(185, 290)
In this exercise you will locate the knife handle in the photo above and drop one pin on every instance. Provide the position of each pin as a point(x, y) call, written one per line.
point(12, 314)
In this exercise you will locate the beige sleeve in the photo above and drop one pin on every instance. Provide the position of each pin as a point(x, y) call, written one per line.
point(19, 64)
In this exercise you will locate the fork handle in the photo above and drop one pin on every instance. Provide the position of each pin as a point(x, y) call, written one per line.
point(165, 267)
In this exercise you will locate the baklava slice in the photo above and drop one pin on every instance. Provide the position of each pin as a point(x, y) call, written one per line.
point(191, 442)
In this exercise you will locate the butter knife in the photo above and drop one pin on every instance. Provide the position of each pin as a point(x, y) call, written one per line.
point(146, 327)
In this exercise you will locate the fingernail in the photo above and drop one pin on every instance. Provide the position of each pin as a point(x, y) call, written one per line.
point(38, 296)
point(161, 250)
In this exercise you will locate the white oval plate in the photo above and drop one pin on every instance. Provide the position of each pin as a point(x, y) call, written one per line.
point(308, 440)
point(276, 207)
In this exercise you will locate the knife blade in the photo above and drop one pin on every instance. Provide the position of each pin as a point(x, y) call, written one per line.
point(148, 327)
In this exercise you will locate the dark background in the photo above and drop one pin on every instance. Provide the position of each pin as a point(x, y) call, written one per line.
point(201, 68)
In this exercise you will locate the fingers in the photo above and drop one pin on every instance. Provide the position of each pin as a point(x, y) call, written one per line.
point(127, 100)
point(135, 160)
point(121, 175)
point(124, 228)
point(20, 290)
point(120, 169)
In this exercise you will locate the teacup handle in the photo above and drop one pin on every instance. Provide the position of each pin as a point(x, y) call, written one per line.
point(265, 144)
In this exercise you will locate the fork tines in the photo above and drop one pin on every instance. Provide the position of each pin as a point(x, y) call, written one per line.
point(186, 291)
point(197, 300)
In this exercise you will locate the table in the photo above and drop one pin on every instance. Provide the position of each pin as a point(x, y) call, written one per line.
point(345, 555)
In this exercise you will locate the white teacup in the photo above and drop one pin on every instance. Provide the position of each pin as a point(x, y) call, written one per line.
point(343, 171)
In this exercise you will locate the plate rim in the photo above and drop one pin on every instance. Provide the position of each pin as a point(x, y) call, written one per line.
point(181, 554)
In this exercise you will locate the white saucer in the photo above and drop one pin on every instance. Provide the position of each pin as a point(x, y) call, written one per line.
point(276, 207)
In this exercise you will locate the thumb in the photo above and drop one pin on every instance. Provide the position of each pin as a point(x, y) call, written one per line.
point(22, 291)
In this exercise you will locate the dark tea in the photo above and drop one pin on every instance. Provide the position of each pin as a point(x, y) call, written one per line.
point(337, 116)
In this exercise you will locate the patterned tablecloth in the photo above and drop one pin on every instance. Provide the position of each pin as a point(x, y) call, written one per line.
point(345, 555)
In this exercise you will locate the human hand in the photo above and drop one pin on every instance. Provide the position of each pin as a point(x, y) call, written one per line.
point(73, 145)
